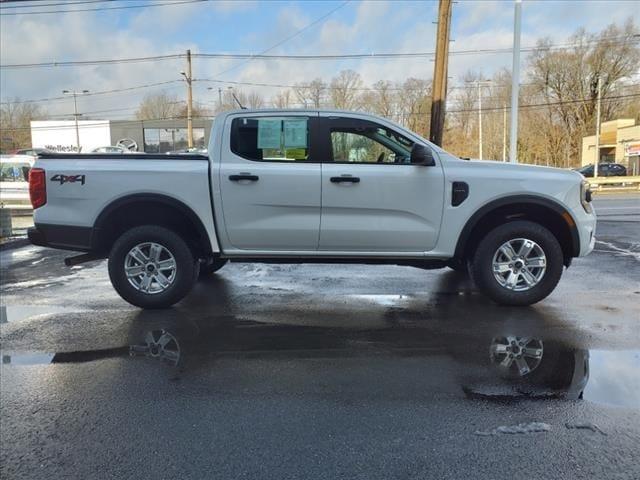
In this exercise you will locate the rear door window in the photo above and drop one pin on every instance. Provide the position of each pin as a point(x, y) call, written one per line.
point(271, 139)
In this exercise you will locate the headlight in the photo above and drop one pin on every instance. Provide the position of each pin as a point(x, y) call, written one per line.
point(585, 196)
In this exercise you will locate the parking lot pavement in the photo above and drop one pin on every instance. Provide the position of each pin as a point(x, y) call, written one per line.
point(312, 371)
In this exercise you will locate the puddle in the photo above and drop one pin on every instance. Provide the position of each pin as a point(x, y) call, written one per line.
point(384, 300)
point(13, 313)
point(37, 358)
point(519, 429)
point(27, 359)
point(614, 378)
point(489, 364)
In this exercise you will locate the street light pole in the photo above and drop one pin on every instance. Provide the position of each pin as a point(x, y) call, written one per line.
point(189, 79)
point(595, 165)
point(75, 112)
point(504, 133)
point(480, 120)
point(515, 83)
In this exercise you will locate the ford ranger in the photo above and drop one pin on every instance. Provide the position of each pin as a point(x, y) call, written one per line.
point(302, 186)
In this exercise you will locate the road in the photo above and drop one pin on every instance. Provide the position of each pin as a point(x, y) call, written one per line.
point(618, 207)
point(315, 371)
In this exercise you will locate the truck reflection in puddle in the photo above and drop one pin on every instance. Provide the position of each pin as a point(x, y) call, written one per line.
point(500, 367)
point(447, 341)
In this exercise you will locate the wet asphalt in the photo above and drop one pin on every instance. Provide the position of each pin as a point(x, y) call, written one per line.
point(324, 371)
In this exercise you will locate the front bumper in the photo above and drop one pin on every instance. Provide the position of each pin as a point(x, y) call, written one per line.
point(587, 232)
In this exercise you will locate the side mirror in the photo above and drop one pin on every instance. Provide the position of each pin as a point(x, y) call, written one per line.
point(421, 155)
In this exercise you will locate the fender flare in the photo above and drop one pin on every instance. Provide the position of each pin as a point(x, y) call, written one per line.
point(100, 223)
point(511, 199)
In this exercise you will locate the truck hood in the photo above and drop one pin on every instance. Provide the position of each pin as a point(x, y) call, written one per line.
point(519, 170)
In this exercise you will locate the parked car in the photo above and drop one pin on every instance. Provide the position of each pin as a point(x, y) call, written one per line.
point(110, 149)
point(193, 150)
point(32, 152)
point(296, 186)
point(14, 180)
point(604, 170)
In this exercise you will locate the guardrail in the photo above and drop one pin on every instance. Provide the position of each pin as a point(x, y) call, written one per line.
point(614, 184)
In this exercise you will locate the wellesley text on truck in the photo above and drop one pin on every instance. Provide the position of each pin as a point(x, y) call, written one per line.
point(302, 186)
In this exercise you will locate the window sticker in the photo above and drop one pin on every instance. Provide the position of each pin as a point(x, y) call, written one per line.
point(295, 133)
point(269, 133)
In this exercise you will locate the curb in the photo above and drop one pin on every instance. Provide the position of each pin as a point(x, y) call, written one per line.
point(13, 243)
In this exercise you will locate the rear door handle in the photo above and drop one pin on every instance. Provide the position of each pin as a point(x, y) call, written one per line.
point(244, 176)
point(345, 179)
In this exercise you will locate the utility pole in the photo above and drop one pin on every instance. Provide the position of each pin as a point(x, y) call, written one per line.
point(595, 166)
point(504, 132)
point(439, 95)
point(75, 112)
point(479, 121)
point(189, 79)
point(219, 97)
point(515, 83)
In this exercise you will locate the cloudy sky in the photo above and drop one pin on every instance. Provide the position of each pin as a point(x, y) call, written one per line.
point(247, 27)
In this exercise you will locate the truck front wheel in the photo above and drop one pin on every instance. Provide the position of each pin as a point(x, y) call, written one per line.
point(518, 263)
point(152, 267)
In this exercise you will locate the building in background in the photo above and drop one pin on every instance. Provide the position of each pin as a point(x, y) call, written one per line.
point(619, 143)
point(150, 136)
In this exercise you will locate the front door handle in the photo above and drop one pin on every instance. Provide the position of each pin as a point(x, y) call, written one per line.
point(345, 179)
point(243, 176)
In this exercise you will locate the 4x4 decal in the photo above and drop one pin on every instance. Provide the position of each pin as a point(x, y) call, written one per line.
point(68, 179)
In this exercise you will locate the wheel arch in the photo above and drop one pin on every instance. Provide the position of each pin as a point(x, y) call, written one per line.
point(149, 208)
point(549, 213)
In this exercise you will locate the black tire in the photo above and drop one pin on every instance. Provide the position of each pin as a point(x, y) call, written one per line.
point(186, 270)
point(481, 265)
point(211, 267)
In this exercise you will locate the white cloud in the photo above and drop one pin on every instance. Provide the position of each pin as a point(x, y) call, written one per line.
point(365, 27)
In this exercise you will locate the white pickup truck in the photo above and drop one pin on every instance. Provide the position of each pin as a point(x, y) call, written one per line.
point(303, 186)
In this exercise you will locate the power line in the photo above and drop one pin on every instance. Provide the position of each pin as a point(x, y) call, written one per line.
point(120, 7)
point(307, 86)
point(351, 56)
point(104, 92)
point(258, 84)
point(531, 106)
point(286, 39)
point(101, 123)
point(38, 4)
point(110, 61)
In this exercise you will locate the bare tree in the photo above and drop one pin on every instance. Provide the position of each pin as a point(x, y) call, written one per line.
point(283, 99)
point(301, 92)
point(255, 100)
point(345, 89)
point(15, 123)
point(160, 105)
point(317, 92)
point(381, 99)
point(311, 94)
point(567, 79)
point(415, 104)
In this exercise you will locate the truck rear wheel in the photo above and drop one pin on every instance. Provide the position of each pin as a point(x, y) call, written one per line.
point(518, 263)
point(152, 267)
